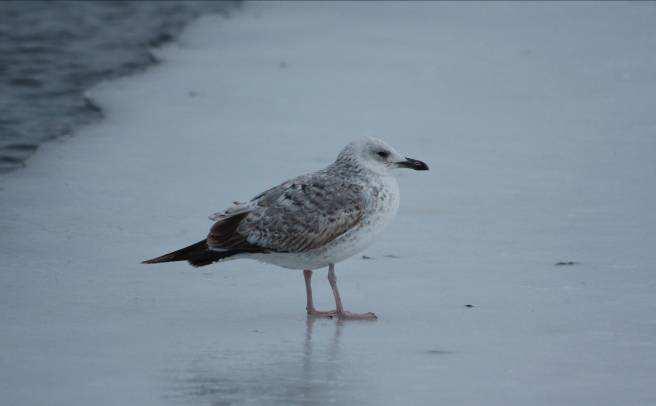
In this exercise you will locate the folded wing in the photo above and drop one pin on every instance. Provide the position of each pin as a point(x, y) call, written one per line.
point(297, 216)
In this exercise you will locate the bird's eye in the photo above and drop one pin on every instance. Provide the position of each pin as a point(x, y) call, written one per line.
point(383, 154)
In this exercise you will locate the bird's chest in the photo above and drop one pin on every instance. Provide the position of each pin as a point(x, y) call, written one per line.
point(381, 204)
point(381, 201)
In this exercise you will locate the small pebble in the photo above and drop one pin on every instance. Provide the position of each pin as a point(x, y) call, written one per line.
point(440, 352)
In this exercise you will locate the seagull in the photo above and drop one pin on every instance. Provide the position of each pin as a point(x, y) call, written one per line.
point(312, 221)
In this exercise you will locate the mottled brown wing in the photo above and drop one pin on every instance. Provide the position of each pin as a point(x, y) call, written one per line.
point(224, 236)
point(302, 214)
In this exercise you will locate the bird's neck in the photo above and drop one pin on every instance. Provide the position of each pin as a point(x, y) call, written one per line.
point(352, 168)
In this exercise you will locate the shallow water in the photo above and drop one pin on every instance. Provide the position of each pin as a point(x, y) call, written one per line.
point(52, 52)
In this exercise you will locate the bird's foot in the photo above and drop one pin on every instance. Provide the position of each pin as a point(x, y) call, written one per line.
point(325, 314)
point(344, 315)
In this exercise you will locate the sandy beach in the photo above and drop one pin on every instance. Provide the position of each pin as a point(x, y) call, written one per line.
point(537, 122)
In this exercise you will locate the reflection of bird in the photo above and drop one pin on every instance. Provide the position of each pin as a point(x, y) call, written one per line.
point(312, 221)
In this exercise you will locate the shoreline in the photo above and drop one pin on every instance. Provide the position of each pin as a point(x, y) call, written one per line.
point(540, 152)
point(50, 67)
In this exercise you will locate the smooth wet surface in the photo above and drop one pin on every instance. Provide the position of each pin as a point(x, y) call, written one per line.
point(537, 124)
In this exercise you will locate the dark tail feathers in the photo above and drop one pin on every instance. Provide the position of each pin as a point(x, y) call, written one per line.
point(198, 254)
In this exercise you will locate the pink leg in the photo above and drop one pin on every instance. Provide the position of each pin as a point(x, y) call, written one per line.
point(341, 313)
point(311, 311)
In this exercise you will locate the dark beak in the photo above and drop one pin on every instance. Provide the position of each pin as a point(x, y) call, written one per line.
point(413, 164)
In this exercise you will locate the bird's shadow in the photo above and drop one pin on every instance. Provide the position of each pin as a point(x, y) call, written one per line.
point(306, 372)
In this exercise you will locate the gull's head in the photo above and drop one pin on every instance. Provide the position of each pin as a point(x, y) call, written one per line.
point(376, 155)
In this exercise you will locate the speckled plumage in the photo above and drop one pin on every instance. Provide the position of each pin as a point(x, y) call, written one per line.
point(312, 221)
point(315, 219)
